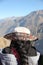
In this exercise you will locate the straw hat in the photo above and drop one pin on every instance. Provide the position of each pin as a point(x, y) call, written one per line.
point(24, 33)
point(4, 42)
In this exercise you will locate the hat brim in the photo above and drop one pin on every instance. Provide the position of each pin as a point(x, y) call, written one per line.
point(32, 38)
point(27, 37)
point(13, 36)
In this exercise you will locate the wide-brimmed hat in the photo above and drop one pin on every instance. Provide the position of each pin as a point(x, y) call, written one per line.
point(24, 34)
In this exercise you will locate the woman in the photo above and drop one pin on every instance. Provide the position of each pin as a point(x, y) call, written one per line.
point(23, 38)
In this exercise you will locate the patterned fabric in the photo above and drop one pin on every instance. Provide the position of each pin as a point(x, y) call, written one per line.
point(8, 59)
point(26, 50)
point(23, 52)
point(16, 54)
point(13, 49)
point(33, 60)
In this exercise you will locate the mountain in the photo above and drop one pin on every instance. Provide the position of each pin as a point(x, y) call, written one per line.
point(39, 46)
point(33, 21)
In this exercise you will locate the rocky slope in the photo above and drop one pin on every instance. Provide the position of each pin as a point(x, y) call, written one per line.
point(33, 21)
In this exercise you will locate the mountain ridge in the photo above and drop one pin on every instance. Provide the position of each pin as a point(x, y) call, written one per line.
point(32, 21)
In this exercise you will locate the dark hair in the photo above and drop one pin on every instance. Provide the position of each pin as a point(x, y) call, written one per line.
point(14, 44)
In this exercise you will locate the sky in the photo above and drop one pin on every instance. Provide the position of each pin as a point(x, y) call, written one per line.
point(17, 8)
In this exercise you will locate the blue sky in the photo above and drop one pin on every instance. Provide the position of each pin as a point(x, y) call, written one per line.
point(9, 8)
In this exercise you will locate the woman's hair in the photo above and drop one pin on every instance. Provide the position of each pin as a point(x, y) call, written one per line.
point(14, 44)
